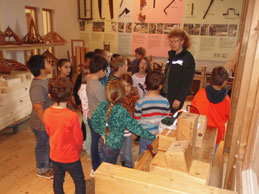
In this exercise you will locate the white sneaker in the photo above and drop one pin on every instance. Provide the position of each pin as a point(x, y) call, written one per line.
point(92, 174)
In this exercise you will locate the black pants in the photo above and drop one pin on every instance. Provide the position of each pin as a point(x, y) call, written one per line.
point(94, 148)
point(76, 172)
point(83, 130)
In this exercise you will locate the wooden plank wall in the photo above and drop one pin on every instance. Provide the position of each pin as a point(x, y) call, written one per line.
point(243, 105)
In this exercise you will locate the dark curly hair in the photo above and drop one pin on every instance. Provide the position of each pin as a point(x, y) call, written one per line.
point(154, 79)
point(60, 89)
point(219, 75)
point(178, 32)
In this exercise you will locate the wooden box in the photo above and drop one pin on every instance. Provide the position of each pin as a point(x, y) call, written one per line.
point(201, 128)
point(166, 138)
point(179, 156)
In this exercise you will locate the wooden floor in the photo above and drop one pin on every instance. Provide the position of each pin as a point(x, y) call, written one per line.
point(17, 166)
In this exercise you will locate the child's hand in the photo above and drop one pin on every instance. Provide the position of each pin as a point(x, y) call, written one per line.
point(176, 104)
point(103, 139)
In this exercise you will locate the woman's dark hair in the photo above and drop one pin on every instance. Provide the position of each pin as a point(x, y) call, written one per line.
point(60, 89)
point(89, 55)
point(148, 65)
point(154, 80)
point(35, 64)
point(178, 32)
point(219, 75)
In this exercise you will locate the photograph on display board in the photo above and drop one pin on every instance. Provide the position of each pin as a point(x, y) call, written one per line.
point(121, 27)
point(219, 29)
point(205, 30)
point(192, 29)
point(232, 29)
point(141, 28)
point(169, 27)
point(160, 28)
point(114, 26)
point(152, 28)
point(98, 26)
point(128, 27)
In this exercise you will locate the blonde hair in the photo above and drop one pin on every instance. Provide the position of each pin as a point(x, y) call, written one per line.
point(118, 62)
point(114, 92)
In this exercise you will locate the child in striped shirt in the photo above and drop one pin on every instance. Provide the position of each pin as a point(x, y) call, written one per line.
point(152, 108)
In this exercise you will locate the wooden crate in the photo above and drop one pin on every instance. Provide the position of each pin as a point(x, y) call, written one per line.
point(166, 138)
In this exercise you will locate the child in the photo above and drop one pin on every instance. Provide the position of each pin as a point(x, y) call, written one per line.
point(152, 108)
point(119, 67)
point(128, 102)
point(142, 68)
point(214, 102)
point(40, 68)
point(66, 137)
point(84, 101)
point(95, 94)
point(110, 119)
point(139, 54)
point(64, 68)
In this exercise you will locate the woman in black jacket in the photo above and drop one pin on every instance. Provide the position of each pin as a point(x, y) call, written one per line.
point(179, 70)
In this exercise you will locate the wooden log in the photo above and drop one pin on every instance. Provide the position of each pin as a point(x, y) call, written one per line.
point(200, 169)
point(115, 179)
point(9, 82)
point(4, 90)
point(179, 156)
point(78, 59)
point(201, 129)
point(187, 128)
point(159, 166)
point(166, 138)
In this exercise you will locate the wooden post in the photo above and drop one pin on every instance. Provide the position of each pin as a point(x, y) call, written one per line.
point(201, 129)
point(166, 138)
point(78, 59)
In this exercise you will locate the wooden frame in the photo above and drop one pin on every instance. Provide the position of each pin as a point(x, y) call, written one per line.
point(85, 9)
point(74, 44)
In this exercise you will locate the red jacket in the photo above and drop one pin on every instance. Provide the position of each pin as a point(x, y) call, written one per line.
point(65, 134)
point(217, 114)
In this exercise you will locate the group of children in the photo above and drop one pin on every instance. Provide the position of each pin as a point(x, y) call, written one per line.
point(116, 106)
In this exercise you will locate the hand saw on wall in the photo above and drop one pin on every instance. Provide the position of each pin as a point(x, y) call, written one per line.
point(111, 8)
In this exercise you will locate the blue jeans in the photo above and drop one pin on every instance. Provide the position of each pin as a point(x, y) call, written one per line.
point(107, 154)
point(94, 148)
point(43, 162)
point(143, 144)
point(76, 172)
point(126, 152)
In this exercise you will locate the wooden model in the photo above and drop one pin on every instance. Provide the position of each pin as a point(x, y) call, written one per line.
point(9, 37)
point(32, 37)
point(1, 38)
point(50, 58)
point(8, 65)
point(53, 37)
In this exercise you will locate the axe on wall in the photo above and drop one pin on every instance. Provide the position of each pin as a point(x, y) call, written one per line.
point(126, 11)
point(100, 8)
point(111, 8)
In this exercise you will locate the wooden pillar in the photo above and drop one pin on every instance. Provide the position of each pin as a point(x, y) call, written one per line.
point(244, 94)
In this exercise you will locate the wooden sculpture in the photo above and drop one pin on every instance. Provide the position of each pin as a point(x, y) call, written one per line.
point(7, 65)
point(9, 37)
point(1, 38)
point(32, 37)
point(50, 58)
point(53, 37)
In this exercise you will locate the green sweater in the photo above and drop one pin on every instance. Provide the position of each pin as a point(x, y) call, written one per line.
point(119, 120)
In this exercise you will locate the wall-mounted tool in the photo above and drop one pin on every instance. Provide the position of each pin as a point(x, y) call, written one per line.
point(168, 6)
point(192, 9)
point(111, 8)
point(125, 11)
point(230, 9)
point(100, 9)
point(211, 2)
point(141, 17)
point(154, 4)
point(121, 3)
point(143, 3)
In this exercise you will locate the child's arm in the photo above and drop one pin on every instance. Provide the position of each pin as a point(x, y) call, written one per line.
point(39, 109)
point(76, 88)
point(98, 120)
point(77, 132)
point(138, 111)
point(133, 126)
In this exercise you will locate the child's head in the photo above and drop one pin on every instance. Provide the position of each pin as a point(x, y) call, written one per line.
point(127, 82)
point(143, 65)
point(38, 65)
point(115, 91)
point(88, 57)
point(219, 76)
point(98, 65)
point(114, 56)
point(154, 80)
point(140, 53)
point(64, 67)
point(59, 89)
point(119, 65)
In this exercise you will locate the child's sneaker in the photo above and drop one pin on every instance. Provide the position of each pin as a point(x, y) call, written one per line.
point(92, 174)
point(47, 175)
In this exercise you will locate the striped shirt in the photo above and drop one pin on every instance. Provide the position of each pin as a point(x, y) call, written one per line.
point(150, 110)
point(110, 79)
